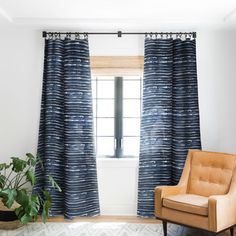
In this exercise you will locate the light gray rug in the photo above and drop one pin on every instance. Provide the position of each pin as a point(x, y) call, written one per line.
point(101, 229)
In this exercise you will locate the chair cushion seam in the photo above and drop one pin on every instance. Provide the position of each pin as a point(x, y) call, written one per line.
point(186, 204)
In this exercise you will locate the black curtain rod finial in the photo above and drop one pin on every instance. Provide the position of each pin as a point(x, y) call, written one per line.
point(44, 34)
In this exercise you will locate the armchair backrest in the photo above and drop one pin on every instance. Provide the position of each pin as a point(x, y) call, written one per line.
point(210, 172)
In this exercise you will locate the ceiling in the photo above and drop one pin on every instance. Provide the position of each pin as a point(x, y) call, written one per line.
point(126, 15)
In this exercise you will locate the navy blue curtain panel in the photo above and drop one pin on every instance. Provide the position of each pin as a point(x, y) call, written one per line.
point(170, 116)
point(66, 141)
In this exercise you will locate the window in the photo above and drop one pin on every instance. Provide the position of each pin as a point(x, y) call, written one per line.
point(117, 110)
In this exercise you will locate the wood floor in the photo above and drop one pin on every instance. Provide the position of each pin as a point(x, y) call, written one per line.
point(127, 219)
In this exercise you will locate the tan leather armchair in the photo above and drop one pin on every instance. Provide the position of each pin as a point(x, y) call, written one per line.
point(205, 196)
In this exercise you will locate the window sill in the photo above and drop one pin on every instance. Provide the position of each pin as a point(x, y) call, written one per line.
point(108, 162)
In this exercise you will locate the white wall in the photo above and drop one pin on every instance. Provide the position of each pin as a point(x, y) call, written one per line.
point(21, 60)
point(216, 52)
point(21, 65)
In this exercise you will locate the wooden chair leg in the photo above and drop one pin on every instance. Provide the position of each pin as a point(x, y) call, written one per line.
point(232, 231)
point(164, 224)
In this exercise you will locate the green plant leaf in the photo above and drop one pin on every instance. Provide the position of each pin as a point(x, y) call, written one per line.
point(46, 205)
point(31, 159)
point(54, 183)
point(19, 212)
point(25, 218)
point(30, 177)
point(29, 208)
point(30, 155)
point(4, 166)
point(35, 199)
point(47, 196)
point(8, 197)
point(22, 197)
point(2, 181)
point(44, 215)
point(18, 164)
point(31, 162)
point(33, 210)
point(34, 206)
point(45, 212)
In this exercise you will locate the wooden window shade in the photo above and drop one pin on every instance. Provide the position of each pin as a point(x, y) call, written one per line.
point(117, 65)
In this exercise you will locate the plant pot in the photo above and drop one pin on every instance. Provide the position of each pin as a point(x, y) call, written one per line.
point(8, 218)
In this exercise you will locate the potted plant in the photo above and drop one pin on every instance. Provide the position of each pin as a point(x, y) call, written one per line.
point(18, 205)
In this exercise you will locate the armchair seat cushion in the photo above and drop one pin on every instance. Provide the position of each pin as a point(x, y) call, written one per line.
point(190, 203)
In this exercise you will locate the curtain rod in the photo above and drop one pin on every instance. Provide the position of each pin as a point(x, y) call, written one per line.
point(119, 33)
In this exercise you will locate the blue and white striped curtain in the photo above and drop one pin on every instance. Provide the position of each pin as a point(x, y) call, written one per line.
point(170, 115)
point(66, 143)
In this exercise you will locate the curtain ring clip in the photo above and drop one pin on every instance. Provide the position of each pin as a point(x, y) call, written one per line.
point(77, 36)
point(68, 35)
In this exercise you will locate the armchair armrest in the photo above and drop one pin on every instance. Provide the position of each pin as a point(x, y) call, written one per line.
point(164, 191)
point(221, 211)
point(222, 208)
point(181, 188)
